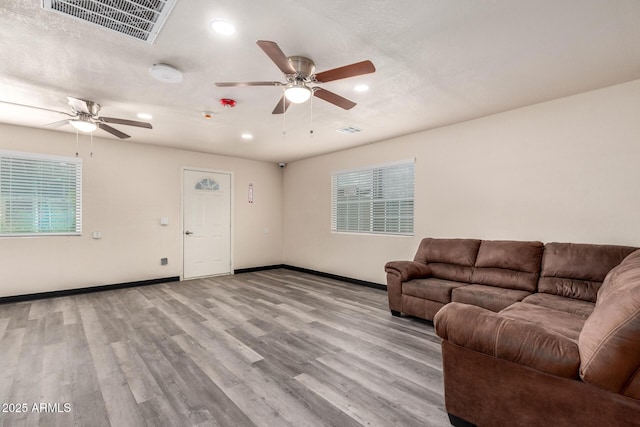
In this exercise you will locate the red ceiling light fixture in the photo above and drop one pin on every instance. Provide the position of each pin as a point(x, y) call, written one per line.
point(228, 103)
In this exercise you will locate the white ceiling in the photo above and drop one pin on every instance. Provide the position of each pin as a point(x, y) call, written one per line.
point(438, 62)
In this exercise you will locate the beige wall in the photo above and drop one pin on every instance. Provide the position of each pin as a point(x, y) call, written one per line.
point(565, 170)
point(127, 188)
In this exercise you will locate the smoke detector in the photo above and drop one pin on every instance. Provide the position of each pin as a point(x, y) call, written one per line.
point(165, 73)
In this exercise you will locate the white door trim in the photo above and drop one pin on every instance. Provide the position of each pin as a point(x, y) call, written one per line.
point(205, 170)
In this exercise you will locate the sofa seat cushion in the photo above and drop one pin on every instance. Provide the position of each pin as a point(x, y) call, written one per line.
point(432, 289)
point(557, 321)
point(568, 305)
point(489, 297)
point(420, 307)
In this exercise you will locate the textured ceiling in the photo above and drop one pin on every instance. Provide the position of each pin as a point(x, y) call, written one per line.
point(438, 62)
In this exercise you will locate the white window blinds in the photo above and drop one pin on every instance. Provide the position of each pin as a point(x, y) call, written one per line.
point(379, 199)
point(40, 195)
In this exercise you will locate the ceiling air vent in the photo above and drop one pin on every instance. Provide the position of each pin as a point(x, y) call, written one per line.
point(139, 19)
point(349, 129)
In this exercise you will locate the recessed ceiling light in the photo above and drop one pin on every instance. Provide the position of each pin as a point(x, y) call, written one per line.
point(246, 136)
point(225, 28)
point(145, 116)
point(361, 88)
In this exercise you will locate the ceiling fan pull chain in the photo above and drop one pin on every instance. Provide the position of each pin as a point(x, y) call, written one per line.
point(284, 115)
point(77, 144)
point(91, 149)
point(311, 116)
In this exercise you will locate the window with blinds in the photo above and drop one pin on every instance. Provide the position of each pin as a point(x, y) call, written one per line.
point(378, 199)
point(40, 195)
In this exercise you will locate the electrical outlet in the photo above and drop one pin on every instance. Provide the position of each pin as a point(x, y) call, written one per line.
point(164, 261)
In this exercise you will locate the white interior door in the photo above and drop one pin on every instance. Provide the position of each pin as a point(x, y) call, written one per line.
point(207, 223)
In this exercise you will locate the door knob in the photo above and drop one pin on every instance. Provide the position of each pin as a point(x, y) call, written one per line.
point(188, 232)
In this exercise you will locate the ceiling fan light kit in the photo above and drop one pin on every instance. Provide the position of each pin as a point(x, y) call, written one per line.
point(297, 92)
point(83, 125)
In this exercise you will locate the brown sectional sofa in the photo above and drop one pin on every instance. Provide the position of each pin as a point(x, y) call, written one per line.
point(497, 274)
point(533, 334)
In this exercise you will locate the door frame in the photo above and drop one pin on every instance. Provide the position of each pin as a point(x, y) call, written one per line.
point(231, 204)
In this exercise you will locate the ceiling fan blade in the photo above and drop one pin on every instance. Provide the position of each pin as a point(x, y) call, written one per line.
point(282, 105)
point(57, 124)
point(274, 52)
point(79, 105)
point(232, 84)
point(113, 131)
point(334, 98)
point(125, 122)
point(357, 69)
point(37, 108)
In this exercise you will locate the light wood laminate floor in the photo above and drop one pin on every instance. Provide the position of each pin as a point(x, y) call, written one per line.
point(270, 348)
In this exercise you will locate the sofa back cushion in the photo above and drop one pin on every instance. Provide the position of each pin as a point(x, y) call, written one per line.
point(449, 259)
point(577, 270)
point(508, 264)
point(609, 342)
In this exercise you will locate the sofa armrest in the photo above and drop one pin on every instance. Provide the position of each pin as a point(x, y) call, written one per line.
point(398, 272)
point(407, 270)
point(514, 340)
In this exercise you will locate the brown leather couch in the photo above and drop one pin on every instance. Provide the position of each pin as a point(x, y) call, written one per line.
point(496, 274)
point(543, 365)
point(530, 332)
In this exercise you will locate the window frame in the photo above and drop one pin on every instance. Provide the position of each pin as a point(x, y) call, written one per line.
point(73, 186)
point(375, 206)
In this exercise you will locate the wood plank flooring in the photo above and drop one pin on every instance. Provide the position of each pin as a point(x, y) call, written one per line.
point(270, 348)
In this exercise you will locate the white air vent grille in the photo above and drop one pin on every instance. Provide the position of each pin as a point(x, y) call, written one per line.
point(140, 19)
point(349, 129)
